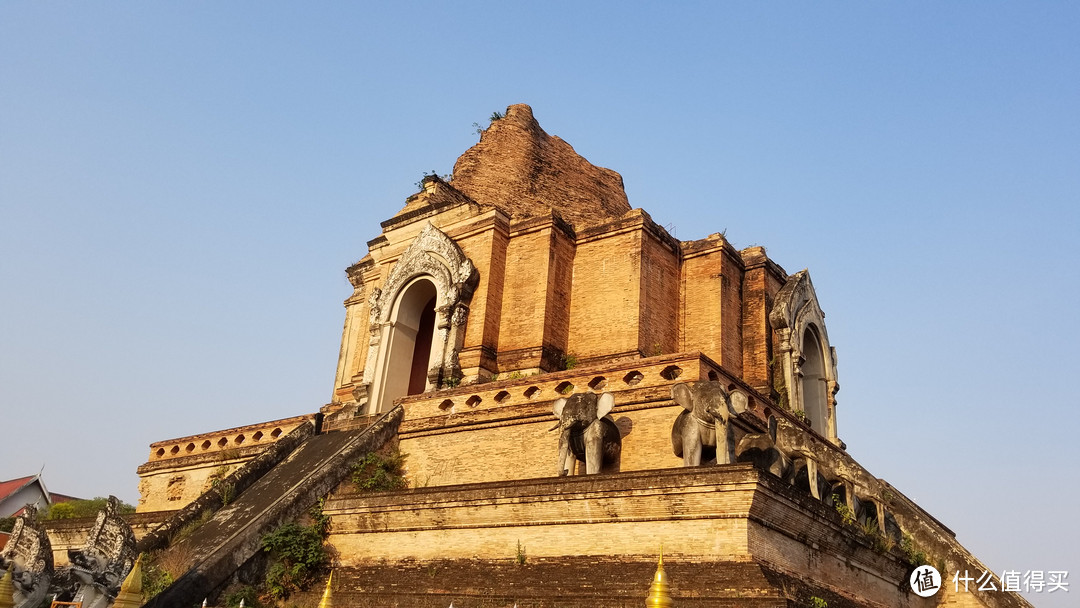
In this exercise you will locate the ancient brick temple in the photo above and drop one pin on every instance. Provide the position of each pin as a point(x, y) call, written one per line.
point(572, 387)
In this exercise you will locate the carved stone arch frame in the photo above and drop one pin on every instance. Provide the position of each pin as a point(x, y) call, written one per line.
point(431, 256)
point(795, 312)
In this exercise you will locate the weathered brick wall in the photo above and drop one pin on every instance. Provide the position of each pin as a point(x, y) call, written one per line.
point(605, 303)
point(721, 515)
point(502, 430)
point(177, 487)
point(520, 167)
point(699, 513)
point(530, 270)
point(658, 315)
point(526, 447)
point(757, 336)
point(536, 296)
point(702, 315)
point(180, 470)
point(559, 293)
point(564, 582)
point(716, 514)
point(731, 316)
point(484, 243)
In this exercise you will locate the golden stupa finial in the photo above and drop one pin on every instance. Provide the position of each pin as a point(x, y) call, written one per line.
point(327, 596)
point(658, 590)
point(7, 589)
point(130, 595)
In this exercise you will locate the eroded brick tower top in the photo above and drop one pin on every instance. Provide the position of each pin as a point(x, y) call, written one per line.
point(521, 169)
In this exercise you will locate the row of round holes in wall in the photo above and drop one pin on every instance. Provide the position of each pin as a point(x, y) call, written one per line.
point(670, 372)
point(221, 443)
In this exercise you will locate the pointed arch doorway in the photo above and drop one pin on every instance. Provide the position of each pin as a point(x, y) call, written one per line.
point(418, 318)
point(409, 339)
point(814, 389)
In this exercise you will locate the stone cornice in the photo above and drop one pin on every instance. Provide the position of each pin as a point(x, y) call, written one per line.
point(234, 430)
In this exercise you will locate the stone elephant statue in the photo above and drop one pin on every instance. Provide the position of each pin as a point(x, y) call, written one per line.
point(760, 449)
point(585, 433)
point(705, 423)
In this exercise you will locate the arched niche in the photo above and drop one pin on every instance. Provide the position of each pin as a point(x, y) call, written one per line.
point(409, 340)
point(814, 380)
point(806, 362)
point(423, 306)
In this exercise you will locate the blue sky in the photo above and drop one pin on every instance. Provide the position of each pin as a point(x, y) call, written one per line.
point(183, 184)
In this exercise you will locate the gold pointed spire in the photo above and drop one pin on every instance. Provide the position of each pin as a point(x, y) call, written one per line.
point(7, 590)
point(327, 596)
point(658, 590)
point(130, 595)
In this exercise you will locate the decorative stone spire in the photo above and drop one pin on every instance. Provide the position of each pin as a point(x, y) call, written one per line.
point(130, 595)
point(658, 590)
point(7, 590)
point(327, 596)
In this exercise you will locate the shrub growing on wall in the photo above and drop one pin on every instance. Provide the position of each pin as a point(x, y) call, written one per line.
point(296, 557)
point(376, 473)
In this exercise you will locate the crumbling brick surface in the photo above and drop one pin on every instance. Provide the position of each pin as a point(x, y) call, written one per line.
point(520, 168)
point(572, 582)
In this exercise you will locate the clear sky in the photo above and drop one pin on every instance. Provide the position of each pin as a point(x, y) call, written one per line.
point(183, 184)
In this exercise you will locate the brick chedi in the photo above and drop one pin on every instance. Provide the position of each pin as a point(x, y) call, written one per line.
point(575, 386)
point(560, 268)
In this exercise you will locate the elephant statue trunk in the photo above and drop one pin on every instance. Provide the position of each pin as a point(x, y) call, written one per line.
point(585, 432)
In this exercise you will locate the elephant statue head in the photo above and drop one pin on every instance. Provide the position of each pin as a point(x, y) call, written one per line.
point(585, 433)
point(704, 424)
point(760, 449)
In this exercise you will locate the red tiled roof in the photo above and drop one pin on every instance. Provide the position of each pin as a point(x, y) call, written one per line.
point(55, 498)
point(7, 488)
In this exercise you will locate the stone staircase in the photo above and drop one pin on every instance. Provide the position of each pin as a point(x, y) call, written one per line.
point(222, 545)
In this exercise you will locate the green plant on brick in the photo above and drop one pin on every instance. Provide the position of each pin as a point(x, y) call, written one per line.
point(154, 580)
point(846, 514)
point(912, 552)
point(877, 538)
point(569, 361)
point(376, 473)
point(297, 556)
